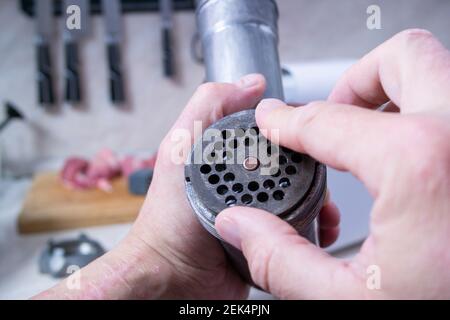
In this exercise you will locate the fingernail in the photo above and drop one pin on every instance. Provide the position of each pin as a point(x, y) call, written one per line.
point(229, 231)
point(249, 81)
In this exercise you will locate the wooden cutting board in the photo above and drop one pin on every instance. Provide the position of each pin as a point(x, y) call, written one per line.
point(49, 206)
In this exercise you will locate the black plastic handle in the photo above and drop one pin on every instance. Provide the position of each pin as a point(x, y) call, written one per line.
point(73, 86)
point(44, 75)
point(169, 68)
point(116, 85)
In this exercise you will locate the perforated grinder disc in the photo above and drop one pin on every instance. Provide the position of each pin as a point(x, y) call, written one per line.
point(233, 164)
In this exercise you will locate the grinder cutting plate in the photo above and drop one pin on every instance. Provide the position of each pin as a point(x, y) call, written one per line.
point(235, 165)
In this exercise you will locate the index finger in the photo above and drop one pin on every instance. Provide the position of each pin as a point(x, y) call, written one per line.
point(342, 136)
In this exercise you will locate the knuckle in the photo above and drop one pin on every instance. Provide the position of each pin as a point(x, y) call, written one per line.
point(267, 264)
point(316, 111)
point(304, 121)
point(259, 265)
point(316, 104)
point(416, 39)
point(208, 89)
point(432, 135)
point(429, 149)
point(413, 35)
point(216, 94)
point(305, 117)
point(313, 116)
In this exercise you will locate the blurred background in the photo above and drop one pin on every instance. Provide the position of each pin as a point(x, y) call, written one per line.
point(309, 31)
point(318, 40)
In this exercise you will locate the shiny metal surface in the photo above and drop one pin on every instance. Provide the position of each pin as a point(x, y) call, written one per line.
point(240, 37)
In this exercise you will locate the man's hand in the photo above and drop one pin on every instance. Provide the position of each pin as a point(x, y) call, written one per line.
point(168, 254)
point(404, 161)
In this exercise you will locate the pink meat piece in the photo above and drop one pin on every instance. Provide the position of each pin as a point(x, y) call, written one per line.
point(128, 165)
point(104, 185)
point(105, 165)
point(78, 173)
point(73, 173)
point(131, 164)
point(103, 168)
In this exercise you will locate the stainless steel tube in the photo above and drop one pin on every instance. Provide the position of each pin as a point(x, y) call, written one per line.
point(240, 37)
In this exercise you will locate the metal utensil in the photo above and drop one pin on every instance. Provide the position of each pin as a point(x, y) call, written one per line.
point(44, 27)
point(72, 37)
point(61, 258)
point(112, 11)
point(238, 38)
point(166, 10)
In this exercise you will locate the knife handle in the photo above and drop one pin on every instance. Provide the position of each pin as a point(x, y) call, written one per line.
point(44, 75)
point(169, 69)
point(116, 85)
point(73, 87)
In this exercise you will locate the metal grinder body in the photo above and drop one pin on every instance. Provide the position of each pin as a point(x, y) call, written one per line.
point(241, 37)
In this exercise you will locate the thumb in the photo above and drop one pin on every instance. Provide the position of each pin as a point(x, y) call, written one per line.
point(284, 263)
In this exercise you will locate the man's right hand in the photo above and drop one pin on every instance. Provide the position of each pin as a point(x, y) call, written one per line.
point(404, 161)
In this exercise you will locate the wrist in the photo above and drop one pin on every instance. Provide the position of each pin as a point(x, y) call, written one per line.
point(138, 270)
